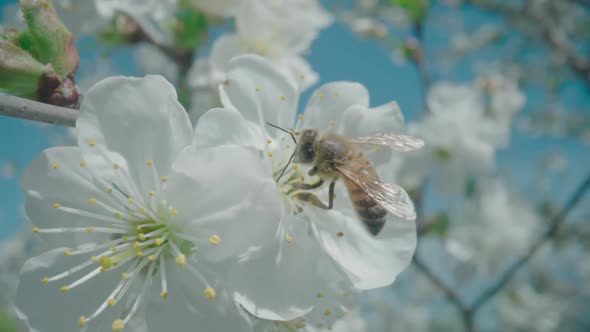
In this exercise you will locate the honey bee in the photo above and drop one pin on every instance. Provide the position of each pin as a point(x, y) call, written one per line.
point(335, 156)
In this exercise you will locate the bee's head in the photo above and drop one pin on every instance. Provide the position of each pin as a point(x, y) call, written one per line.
point(305, 152)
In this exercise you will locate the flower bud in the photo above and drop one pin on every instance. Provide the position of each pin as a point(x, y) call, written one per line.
point(19, 71)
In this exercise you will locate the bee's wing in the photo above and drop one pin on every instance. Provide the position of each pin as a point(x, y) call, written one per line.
point(396, 142)
point(390, 196)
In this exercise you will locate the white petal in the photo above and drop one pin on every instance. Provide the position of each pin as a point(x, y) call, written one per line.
point(281, 282)
point(223, 50)
point(328, 103)
point(370, 261)
point(187, 308)
point(360, 121)
point(137, 119)
point(298, 70)
point(47, 309)
point(225, 191)
point(222, 126)
point(57, 177)
point(260, 92)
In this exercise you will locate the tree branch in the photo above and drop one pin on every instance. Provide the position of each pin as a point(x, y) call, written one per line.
point(31, 110)
point(555, 224)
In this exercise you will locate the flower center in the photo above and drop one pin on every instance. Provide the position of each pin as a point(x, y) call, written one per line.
point(142, 234)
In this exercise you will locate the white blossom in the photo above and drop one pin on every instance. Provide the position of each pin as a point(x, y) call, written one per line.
point(308, 238)
point(144, 216)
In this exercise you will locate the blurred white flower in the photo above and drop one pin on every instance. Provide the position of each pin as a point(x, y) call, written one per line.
point(526, 309)
point(308, 237)
point(278, 30)
point(140, 201)
point(461, 134)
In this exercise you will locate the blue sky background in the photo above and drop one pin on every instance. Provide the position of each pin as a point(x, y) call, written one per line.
point(337, 55)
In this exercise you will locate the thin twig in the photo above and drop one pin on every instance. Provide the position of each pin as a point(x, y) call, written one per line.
point(31, 110)
point(555, 224)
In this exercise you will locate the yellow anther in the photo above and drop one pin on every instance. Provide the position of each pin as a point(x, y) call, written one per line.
point(164, 295)
point(113, 248)
point(210, 293)
point(328, 312)
point(124, 276)
point(214, 239)
point(56, 166)
point(174, 212)
point(142, 209)
point(139, 253)
point(347, 311)
point(45, 281)
point(64, 289)
point(320, 295)
point(159, 242)
point(164, 178)
point(268, 141)
point(118, 325)
point(35, 229)
point(151, 193)
point(92, 200)
point(141, 236)
point(94, 258)
point(152, 257)
point(270, 154)
point(116, 166)
point(130, 200)
point(301, 117)
point(125, 238)
point(181, 260)
point(118, 215)
point(82, 163)
point(92, 142)
point(283, 98)
point(300, 324)
point(82, 321)
point(258, 89)
point(150, 162)
point(67, 253)
point(321, 95)
point(90, 230)
point(110, 190)
point(56, 206)
point(288, 238)
point(138, 228)
point(111, 302)
point(132, 214)
point(106, 262)
point(136, 244)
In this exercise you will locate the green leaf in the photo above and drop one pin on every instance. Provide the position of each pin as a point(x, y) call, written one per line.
point(190, 28)
point(440, 225)
point(19, 71)
point(416, 9)
point(8, 323)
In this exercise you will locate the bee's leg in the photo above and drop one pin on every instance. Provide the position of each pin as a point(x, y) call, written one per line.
point(312, 199)
point(307, 186)
point(331, 195)
point(313, 171)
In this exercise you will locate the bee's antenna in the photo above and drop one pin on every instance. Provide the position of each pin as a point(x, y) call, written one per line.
point(292, 155)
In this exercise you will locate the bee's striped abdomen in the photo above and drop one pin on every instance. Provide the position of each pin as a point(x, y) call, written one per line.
point(370, 213)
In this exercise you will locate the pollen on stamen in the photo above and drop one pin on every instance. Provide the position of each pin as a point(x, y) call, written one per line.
point(56, 206)
point(92, 142)
point(141, 236)
point(116, 166)
point(125, 238)
point(181, 260)
point(136, 244)
point(118, 215)
point(328, 312)
point(111, 302)
point(159, 241)
point(118, 325)
point(106, 263)
point(67, 253)
point(82, 163)
point(151, 193)
point(164, 179)
point(214, 239)
point(139, 253)
point(270, 154)
point(82, 321)
point(174, 212)
point(142, 209)
point(92, 200)
point(288, 238)
point(36, 230)
point(56, 166)
point(164, 295)
point(320, 295)
point(90, 230)
point(94, 258)
point(150, 162)
point(64, 289)
point(124, 276)
point(210, 293)
point(283, 98)
point(45, 281)
point(152, 258)
point(130, 200)
point(113, 248)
